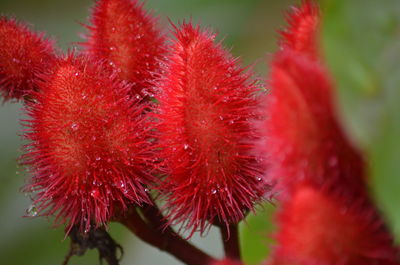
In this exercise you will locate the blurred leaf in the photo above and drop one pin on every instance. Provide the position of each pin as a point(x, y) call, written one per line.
point(362, 43)
point(255, 235)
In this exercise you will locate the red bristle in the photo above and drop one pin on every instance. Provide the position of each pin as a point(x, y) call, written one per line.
point(302, 33)
point(90, 150)
point(305, 140)
point(123, 33)
point(23, 55)
point(207, 106)
point(316, 227)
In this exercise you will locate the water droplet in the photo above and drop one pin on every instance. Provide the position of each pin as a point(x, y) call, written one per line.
point(95, 193)
point(98, 158)
point(185, 146)
point(231, 122)
point(146, 190)
point(32, 211)
point(74, 127)
point(121, 184)
point(213, 191)
point(215, 88)
point(112, 48)
point(77, 74)
point(258, 178)
point(221, 118)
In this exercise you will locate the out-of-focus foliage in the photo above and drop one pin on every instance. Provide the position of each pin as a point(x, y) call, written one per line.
point(362, 44)
point(256, 235)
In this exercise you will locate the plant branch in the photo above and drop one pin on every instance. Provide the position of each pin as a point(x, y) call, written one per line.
point(230, 237)
point(167, 241)
point(156, 219)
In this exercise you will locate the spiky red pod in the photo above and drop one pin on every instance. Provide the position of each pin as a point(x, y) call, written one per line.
point(327, 216)
point(206, 108)
point(305, 140)
point(90, 147)
point(23, 54)
point(302, 33)
point(317, 227)
point(126, 35)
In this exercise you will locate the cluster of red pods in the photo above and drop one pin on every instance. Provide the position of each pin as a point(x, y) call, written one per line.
point(140, 117)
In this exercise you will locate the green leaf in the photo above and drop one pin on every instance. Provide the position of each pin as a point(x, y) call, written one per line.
point(255, 235)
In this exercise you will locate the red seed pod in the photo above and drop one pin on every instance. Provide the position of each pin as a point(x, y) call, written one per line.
point(123, 33)
point(305, 140)
point(23, 54)
point(302, 33)
point(90, 148)
point(315, 227)
point(207, 104)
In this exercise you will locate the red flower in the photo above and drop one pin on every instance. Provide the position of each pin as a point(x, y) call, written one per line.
point(207, 104)
point(90, 148)
point(317, 227)
point(126, 35)
point(23, 54)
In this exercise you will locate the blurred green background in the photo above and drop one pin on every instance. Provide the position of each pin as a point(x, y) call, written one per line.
point(361, 39)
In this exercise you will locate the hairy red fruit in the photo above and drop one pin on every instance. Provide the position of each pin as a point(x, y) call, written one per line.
point(226, 262)
point(316, 228)
point(90, 145)
point(207, 104)
point(23, 54)
point(305, 140)
point(123, 33)
point(302, 33)
point(327, 216)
